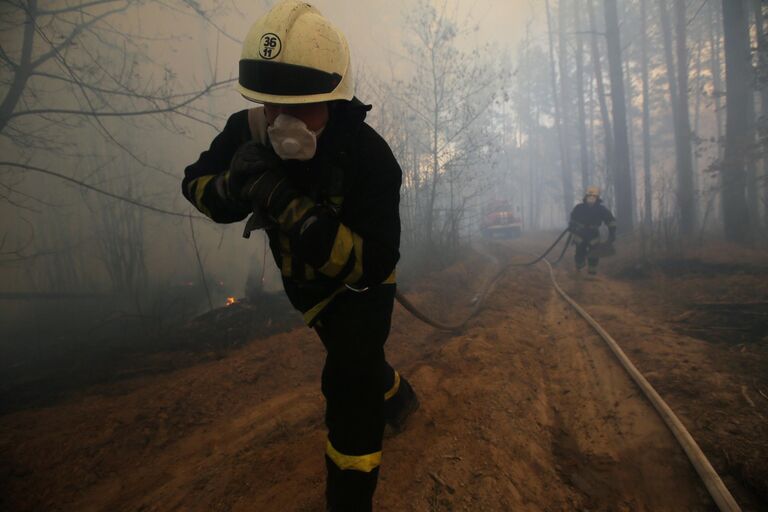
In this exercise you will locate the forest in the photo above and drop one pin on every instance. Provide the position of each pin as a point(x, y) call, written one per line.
point(110, 279)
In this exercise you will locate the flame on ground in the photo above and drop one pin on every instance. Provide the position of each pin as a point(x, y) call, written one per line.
point(230, 301)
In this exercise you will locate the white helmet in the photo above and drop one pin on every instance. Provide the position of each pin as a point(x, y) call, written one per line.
point(294, 55)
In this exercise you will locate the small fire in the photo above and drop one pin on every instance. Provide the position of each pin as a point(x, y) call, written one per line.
point(230, 301)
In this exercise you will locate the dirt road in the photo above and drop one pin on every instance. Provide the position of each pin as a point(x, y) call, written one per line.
point(525, 410)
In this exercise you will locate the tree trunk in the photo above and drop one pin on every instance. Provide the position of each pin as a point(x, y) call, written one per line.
point(697, 127)
point(630, 133)
point(601, 94)
point(716, 38)
point(685, 194)
point(580, 93)
point(624, 208)
point(559, 121)
point(24, 68)
point(678, 95)
point(648, 197)
point(737, 75)
point(435, 100)
point(751, 162)
point(565, 110)
point(762, 66)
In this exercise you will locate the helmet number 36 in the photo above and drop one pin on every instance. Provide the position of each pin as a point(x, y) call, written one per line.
point(270, 46)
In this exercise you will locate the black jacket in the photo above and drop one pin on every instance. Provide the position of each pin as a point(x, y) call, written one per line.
point(586, 220)
point(354, 173)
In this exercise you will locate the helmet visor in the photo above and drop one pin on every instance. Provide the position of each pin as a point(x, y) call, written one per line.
point(281, 79)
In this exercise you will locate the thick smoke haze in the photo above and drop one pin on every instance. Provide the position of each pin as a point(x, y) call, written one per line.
point(182, 51)
point(484, 103)
point(151, 359)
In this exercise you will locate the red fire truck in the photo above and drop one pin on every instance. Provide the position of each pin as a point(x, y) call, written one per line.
point(500, 220)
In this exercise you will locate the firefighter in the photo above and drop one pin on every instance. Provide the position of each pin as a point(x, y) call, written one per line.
point(326, 188)
point(586, 219)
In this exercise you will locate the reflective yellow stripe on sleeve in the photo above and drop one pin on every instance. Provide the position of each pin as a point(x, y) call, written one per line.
point(295, 210)
point(340, 252)
point(365, 463)
point(357, 271)
point(395, 387)
point(199, 185)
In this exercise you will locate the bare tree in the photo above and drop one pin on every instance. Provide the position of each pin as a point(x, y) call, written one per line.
point(71, 68)
point(449, 98)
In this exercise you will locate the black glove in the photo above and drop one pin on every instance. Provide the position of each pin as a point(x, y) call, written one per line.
point(273, 194)
point(577, 232)
point(249, 163)
point(270, 191)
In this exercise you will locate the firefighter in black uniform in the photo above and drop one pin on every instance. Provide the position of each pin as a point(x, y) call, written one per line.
point(326, 188)
point(586, 219)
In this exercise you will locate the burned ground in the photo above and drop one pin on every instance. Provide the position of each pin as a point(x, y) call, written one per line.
point(524, 410)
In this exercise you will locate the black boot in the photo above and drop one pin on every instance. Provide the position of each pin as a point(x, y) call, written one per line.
point(399, 408)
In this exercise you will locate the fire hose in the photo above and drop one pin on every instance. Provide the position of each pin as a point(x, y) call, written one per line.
point(484, 291)
point(712, 481)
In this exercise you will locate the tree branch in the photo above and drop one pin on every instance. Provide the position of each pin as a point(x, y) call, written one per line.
point(75, 32)
point(74, 8)
point(131, 93)
point(86, 113)
point(98, 190)
point(4, 56)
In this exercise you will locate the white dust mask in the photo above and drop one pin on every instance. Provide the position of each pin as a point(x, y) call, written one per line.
point(291, 139)
point(591, 200)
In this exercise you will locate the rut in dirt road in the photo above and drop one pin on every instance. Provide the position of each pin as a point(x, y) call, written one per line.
point(612, 444)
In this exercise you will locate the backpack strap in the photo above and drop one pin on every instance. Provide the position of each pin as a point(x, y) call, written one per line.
point(257, 122)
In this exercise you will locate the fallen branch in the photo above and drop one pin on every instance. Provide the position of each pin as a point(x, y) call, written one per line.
point(439, 481)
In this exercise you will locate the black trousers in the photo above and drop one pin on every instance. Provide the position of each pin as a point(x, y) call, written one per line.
point(583, 249)
point(356, 377)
